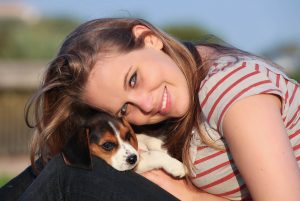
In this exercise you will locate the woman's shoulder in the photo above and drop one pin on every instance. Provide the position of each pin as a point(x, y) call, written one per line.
point(229, 62)
point(235, 78)
point(221, 68)
point(238, 66)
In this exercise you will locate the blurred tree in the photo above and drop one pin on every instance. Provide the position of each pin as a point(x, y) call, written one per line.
point(288, 56)
point(185, 32)
point(39, 41)
point(296, 75)
point(193, 33)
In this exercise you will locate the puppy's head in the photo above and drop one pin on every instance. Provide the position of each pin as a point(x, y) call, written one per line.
point(106, 137)
point(114, 142)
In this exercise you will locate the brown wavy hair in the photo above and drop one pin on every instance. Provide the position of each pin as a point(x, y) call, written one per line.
point(57, 102)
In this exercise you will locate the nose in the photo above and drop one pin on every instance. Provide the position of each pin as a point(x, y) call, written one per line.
point(143, 101)
point(131, 159)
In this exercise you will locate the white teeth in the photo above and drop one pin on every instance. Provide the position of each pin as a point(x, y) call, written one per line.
point(164, 103)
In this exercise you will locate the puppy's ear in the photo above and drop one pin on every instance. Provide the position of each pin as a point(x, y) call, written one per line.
point(76, 153)
point(127, 124)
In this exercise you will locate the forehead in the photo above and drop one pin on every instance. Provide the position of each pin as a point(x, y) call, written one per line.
point(104, 87)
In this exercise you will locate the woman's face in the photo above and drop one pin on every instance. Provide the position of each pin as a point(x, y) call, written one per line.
point(145, 85)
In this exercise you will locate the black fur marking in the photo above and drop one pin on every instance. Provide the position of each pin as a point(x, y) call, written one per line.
point(76, 152)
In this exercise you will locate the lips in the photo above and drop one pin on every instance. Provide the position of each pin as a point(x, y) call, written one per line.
point(165, 102)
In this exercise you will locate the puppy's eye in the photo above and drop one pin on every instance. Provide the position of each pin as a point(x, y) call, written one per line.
point(108, 146)
point(127, 136)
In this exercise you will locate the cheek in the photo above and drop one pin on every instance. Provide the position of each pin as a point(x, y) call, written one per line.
point(137, 118)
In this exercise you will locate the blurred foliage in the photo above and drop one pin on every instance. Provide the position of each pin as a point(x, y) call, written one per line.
point(296, 75)
point(185, 32)
point(288, 56)
point(41, 40)
point(193, 33)
point(4, 179)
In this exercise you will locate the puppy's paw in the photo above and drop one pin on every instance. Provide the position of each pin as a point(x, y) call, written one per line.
point(142, 167)
point(176, 168)
point(157, 159)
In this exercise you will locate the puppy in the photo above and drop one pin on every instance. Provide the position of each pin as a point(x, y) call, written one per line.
point(114, 141)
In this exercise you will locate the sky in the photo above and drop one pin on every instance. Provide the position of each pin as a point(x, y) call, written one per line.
point(254, 26)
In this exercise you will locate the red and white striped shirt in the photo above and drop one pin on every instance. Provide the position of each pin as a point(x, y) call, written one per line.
point(228, 81)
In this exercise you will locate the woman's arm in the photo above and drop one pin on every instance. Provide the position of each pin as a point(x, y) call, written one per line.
point(256, 136)
point(179, 187)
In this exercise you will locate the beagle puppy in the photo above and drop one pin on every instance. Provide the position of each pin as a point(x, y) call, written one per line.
point(114, 141)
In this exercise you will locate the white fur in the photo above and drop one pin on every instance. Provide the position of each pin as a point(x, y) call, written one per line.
point(154, 156)
point(125, 150)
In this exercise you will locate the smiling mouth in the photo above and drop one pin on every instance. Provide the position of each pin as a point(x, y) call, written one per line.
point(165, 104)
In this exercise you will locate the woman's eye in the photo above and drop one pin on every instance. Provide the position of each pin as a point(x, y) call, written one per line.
point(132, 83)
point(108, 146)
point(132, 80)
point(123, 109)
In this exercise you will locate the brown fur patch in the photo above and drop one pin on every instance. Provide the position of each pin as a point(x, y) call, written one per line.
point(127, 128)
point(98, 151)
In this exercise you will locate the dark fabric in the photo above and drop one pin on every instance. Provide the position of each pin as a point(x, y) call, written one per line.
point(15, 187)
point(58, 182)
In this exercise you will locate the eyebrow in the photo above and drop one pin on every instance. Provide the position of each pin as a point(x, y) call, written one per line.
point(126, 77)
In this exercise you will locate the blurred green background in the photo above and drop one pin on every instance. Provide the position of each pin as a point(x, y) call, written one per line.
point(28, 43)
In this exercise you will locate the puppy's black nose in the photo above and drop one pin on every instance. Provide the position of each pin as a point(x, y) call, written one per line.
point(131, 159)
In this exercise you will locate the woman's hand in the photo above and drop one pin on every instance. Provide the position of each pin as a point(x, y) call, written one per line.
point(180, 188)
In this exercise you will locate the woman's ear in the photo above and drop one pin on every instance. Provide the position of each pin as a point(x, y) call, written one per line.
point(150, 40)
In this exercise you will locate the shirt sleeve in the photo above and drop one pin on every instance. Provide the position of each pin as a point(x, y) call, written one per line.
point(228, 84)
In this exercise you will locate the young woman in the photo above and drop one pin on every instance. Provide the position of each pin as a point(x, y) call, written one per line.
point(231, 117)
